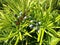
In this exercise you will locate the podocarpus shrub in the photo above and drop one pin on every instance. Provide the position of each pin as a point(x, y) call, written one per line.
point(29, 22)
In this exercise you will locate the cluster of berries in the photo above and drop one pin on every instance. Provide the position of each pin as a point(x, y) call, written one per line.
point(35, 25)
point(21, 17)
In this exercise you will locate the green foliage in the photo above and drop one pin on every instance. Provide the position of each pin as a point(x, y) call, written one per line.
point(28, 22)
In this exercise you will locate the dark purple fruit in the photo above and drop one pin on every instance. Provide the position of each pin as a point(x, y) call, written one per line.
point(17, 22)
point(31, 26)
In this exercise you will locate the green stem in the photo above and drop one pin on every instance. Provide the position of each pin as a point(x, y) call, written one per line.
point(17, 41)
point(26, 42)
point(42, 36)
